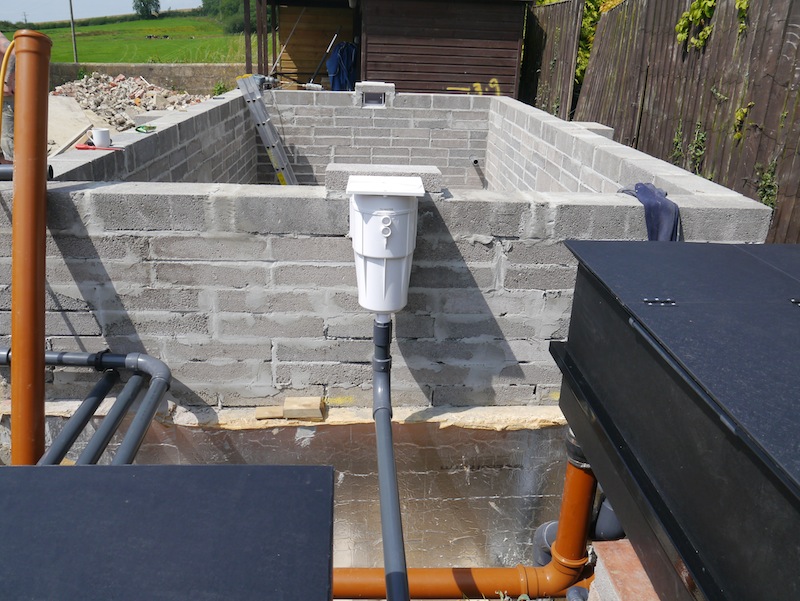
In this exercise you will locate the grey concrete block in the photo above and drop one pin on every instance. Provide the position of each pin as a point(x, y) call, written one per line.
point(333, 98)
point(391, 152)
point(311, 276)
point(290, 210)
point(451, 102)
point(540, 277)
point(311, 248)
point(162, 299)
point(339, 375)
point(237, 325)
point(413, 101)
point(465, 396)
point(291, 97)
point(149, 208)
point(426, 353)
point(356, 325)
point(181, 349)
point(480, 325)
point(128, 323)
point(243, 372)
point(254, 299)
point(436, 248)
point(338, 174)
point(59, 324)
point(77, 247)
point(94, 272)
point(215, 247)
point(608, 160)
point(597, 128)
point(724, 219)
point(479, 212)
point(215, 274)
point(348, 351)
point(453, 276)
point(592, 216)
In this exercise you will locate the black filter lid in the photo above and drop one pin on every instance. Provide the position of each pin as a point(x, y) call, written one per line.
point(729, 316)
point(220, 532)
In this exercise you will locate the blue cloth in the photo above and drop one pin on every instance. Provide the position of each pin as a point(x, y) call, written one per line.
point(341, 65)
point(661, 215)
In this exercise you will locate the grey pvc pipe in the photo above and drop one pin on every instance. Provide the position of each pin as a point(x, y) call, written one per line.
point(75, 425)
point(7, 173)
point(98, 443)
point(394, 555)
point(141, 422)
point(608, 526)
point(96, 360)
point(160, 379)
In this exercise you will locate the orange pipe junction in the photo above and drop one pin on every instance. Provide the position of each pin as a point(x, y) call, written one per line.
point(565, 569)
point(28, 246)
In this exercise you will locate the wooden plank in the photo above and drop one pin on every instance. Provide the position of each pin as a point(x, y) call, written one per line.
point(551, 48)
point(409, 44)
point(269, 412)
point(307, 408)
point(312, 34)
point(466, 43)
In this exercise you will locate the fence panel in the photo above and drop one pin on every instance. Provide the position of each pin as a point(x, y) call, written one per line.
point(728, 110)
point(551, 51)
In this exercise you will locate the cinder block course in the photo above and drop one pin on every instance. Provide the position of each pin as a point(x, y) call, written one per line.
point(338, 174)
point(196, 273)
point(222, 247)
point(340, 375)
point(469, 214)
point(540, 277)
point(250, 290)
point(281, 215)
point(229, 326)
point(348, 351)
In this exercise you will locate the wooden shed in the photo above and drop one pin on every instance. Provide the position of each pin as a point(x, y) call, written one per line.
point(469, 46)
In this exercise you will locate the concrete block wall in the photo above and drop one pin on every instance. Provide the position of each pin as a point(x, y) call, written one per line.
point(443, 130)
point(248, 292)
point(213, 141)
point(529, 149)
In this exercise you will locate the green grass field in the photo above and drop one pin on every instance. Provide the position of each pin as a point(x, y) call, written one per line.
point(191, 40)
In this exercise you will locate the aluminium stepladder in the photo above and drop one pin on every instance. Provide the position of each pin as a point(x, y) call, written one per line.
point(251, 91)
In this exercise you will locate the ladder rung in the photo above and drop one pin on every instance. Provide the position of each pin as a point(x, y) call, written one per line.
point(266, 130)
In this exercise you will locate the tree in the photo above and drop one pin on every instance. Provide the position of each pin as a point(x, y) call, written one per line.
point(146, 8)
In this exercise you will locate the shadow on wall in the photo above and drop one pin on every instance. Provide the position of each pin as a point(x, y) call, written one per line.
point(84, 309)
point(448, 336)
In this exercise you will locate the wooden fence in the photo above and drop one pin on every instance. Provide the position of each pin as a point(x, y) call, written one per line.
point(551, 51)
point(728, 110)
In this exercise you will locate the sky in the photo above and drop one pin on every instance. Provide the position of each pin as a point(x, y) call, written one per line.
point(41, 11)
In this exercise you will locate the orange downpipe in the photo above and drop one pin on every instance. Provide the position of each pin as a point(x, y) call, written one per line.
point(28, 246)
point(565, 570)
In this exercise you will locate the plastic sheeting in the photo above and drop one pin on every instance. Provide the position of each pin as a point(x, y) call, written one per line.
point(470, 497)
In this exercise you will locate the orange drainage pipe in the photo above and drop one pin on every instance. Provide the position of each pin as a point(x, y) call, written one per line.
point(565, 569)
point(28, 246)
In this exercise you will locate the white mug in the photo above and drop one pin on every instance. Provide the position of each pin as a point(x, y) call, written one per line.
point(101, 137)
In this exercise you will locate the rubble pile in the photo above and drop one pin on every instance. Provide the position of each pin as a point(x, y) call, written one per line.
point(117, 100)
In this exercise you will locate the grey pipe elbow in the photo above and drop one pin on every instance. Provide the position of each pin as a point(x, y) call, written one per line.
point(157, 370)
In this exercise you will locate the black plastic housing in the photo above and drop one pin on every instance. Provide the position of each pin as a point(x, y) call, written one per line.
point(681, 384)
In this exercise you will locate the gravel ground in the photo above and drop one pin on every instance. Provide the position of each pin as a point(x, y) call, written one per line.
point(118, 99)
